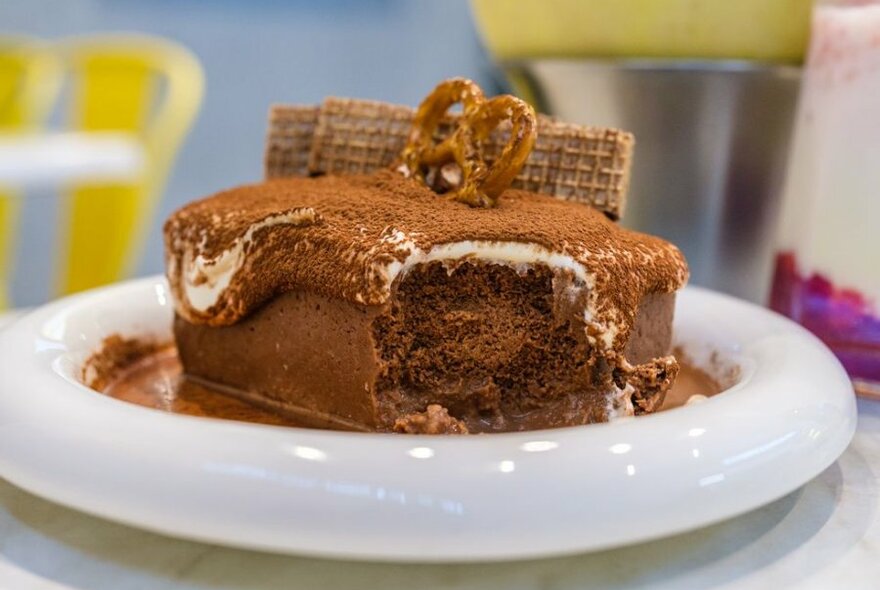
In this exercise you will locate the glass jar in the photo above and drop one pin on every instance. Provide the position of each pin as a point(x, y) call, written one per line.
point(827, 272)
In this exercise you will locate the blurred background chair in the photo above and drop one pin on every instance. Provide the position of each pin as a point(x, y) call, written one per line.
point(30, 75)
point(280, 52)
point(148, 87)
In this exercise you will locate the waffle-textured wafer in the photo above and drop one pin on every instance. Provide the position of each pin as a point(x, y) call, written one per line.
point(588, 165)
point(358, 136)
point(289, 141)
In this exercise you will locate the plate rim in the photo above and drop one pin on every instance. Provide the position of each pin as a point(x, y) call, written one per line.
point(31, 328)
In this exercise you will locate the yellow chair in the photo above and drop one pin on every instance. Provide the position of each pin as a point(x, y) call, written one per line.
point(30, 76)
point(151, 88)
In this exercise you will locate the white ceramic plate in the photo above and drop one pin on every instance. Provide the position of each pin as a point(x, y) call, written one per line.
point(418, 498)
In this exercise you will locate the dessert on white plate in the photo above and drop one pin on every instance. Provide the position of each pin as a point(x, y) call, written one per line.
point(369, 300)
point(383, 496)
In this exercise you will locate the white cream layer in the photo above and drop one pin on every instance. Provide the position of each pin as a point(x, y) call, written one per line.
point(205, 280)
point(619, 402)
point(511, 253)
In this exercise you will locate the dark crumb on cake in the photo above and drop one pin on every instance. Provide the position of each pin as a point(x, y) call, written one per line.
point(369, 222)
point(434, 420)
point(115, 355)
point(650, 382)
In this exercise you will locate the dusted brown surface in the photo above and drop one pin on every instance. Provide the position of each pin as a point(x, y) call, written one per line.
point(361, 224)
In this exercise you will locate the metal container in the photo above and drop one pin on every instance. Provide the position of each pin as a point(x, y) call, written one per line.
point(712, 142)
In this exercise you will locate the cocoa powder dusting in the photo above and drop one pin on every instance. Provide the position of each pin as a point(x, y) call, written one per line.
point(368, 222)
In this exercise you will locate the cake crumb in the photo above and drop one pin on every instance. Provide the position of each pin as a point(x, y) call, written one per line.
point(434, 420)
point(651, 381)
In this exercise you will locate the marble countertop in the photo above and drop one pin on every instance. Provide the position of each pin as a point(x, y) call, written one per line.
point(824, 535)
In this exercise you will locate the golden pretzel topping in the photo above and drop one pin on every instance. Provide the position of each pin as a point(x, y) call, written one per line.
point(479, 184)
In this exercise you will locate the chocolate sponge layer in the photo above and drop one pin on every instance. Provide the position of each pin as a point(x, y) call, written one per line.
point(500, 348)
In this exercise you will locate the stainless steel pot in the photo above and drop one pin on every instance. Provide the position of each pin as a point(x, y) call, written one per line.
point(711, 147)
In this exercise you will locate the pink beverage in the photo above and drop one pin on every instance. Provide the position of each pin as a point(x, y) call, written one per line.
point(828, 266)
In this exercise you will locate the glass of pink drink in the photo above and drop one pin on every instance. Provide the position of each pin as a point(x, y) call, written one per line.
point(827, 274)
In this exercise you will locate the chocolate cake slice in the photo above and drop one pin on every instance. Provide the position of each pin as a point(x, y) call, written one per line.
point(362, 301)
point(365, 299)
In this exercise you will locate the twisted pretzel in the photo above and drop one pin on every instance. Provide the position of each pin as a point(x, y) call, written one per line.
point(480, 184)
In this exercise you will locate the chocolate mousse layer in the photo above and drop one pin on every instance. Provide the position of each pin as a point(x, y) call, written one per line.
point(495, 348)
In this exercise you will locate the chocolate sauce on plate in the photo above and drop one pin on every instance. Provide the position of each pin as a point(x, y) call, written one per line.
point(157, 381)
